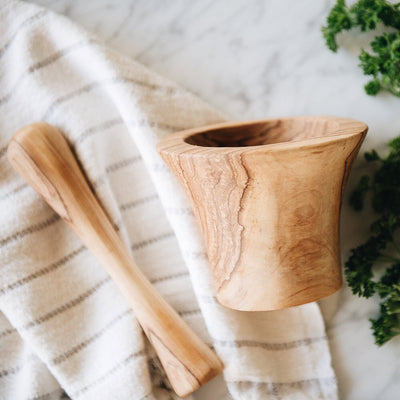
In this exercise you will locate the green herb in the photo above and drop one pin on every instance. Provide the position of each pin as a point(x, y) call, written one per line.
point(380, 254)
point(384, 62)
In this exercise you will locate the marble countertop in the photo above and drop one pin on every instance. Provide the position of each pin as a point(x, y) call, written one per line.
point(258, 59)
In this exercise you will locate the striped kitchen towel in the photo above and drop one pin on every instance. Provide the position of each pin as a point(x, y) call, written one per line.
point(65, 331)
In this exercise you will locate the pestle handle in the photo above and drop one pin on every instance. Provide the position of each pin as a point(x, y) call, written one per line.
point(41, 155)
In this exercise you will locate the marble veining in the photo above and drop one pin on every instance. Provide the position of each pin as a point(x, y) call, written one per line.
point(259, 59)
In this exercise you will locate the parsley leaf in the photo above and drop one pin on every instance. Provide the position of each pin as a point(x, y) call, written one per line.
point(381, 252)
point(338, 20)
point(383, 64)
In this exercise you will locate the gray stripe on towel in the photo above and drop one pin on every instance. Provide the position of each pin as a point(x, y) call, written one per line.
point(70, 304)
point(58, 394)
point(82, 345)
point(151, 241)
point(43, 271)
point(30, 229)
point(138, 202)
point(109, 169)
point(44, 63)
point(169, 277)
point(123, 163)
point(26, 23)
point(109, 373)
point(61, 309)
point(279, 389)
point(269, 346)
point(100, 84)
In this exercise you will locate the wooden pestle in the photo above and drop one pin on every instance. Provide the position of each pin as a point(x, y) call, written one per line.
point(41, 155)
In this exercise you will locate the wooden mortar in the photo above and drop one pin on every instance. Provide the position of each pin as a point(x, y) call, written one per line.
point(268, 194)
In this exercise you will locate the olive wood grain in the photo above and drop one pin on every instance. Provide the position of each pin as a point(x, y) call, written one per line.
point(42, 156)
point(267, 195)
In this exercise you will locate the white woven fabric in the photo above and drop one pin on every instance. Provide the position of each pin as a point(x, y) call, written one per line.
point(65, 331)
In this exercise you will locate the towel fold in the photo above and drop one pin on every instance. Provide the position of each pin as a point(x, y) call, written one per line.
point(65, 330)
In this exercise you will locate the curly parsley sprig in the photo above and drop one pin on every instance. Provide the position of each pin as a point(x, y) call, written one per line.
point(380, 254)
point(383, 64)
